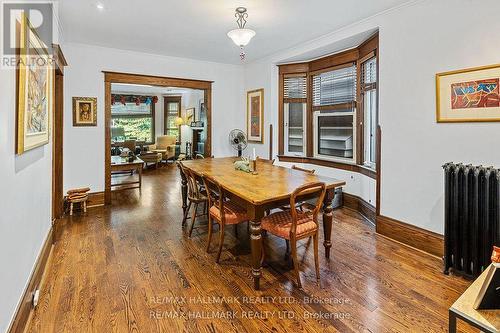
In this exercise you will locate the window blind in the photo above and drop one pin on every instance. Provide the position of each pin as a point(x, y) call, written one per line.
point(295, 87)
point(369, 73)
point(334, 87)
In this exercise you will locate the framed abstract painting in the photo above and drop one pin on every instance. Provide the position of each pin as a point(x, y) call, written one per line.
point(255, 116)
point(468, 95)
point(35, 87)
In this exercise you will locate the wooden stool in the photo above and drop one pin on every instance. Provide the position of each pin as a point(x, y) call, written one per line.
point(82, 201)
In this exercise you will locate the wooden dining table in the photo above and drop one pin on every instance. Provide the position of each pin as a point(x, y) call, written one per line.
point(270, 187)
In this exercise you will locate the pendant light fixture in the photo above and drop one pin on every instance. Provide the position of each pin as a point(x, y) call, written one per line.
point(241, 36)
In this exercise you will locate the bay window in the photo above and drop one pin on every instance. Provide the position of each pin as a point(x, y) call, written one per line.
point(328, 110)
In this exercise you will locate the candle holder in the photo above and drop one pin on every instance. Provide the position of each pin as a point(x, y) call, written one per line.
point(253, 167)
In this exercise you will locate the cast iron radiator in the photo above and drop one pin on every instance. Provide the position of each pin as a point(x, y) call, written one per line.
point(472, 217)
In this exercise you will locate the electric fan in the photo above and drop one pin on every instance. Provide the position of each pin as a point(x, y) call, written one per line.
point(238, 140)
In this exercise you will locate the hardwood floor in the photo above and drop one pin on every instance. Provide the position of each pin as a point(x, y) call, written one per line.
point(131, 268)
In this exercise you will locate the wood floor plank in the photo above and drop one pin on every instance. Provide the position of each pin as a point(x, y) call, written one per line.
point(131, 267)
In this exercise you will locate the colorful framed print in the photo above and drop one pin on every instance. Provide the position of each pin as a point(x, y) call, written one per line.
point(35, 87)
point(255, 115)
point(84, 111)
point(468, 95)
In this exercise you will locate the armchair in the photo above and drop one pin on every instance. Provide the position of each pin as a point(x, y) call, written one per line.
point(165, 145)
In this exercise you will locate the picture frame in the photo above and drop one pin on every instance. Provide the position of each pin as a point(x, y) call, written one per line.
point(255, 115)
point(468, 95)
point(84, 111)
point(190, 115)
point(35, 89)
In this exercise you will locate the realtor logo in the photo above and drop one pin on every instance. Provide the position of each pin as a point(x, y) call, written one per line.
point(39, 15)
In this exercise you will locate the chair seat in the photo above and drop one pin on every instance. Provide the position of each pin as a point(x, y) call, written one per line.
point(234, 214)
point(280, 223)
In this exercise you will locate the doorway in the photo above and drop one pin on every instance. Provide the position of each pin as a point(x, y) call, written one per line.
point(157, 81)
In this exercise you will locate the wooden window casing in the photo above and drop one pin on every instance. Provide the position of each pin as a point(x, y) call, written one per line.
point(355, 57)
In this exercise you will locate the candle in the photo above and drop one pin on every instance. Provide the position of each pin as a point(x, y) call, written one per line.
point(254, 156)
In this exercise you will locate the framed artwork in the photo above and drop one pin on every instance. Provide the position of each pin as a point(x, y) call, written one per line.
point(255, 115)
point(84, 111)
point(189, 115)
point(468, 95)
point(35, 86)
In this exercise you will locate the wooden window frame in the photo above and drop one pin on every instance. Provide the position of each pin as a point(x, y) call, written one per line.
point(153, 121)
point(166, 100)
point(343, 59)
point(362, 91)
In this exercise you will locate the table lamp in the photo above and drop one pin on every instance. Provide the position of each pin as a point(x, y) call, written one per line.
point(179, 121)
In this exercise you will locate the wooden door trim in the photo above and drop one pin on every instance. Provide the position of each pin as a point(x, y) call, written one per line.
point(57, 134)
point(116, 77)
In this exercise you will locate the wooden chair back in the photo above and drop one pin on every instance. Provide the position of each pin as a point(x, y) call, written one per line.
point(192, 183)
point(317, 190)
point(294, 167)
point(215, 194)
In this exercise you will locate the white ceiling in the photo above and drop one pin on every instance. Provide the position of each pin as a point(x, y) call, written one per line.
point(197, 28)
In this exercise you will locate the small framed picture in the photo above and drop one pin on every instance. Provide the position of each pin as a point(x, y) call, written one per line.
point(189, 115)
point(468, 95)
point(84, 111)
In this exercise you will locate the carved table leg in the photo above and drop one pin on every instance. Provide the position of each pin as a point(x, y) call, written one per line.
point(327, 221)
point(256, 245)
point(184, 194)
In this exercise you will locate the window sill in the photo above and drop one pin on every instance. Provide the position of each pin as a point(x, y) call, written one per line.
point(331, 164)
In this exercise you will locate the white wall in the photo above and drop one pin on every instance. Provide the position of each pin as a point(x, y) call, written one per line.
point(25, 204)
point(416, 42)
point(84, 146)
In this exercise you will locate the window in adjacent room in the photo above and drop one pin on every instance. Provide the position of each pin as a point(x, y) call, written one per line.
point(294, 100)
point(172, 110)
point(334, 107)
point(133, 120)
point(369, 96)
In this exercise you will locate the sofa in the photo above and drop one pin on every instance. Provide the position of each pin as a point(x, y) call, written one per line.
point(165, 145)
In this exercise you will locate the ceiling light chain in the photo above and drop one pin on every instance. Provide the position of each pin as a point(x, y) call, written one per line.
point(241, 36)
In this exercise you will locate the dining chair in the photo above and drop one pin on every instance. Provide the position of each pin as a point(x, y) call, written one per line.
point(195, 197)
point(221, 211)
point(301, 205)
point(294, 224)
